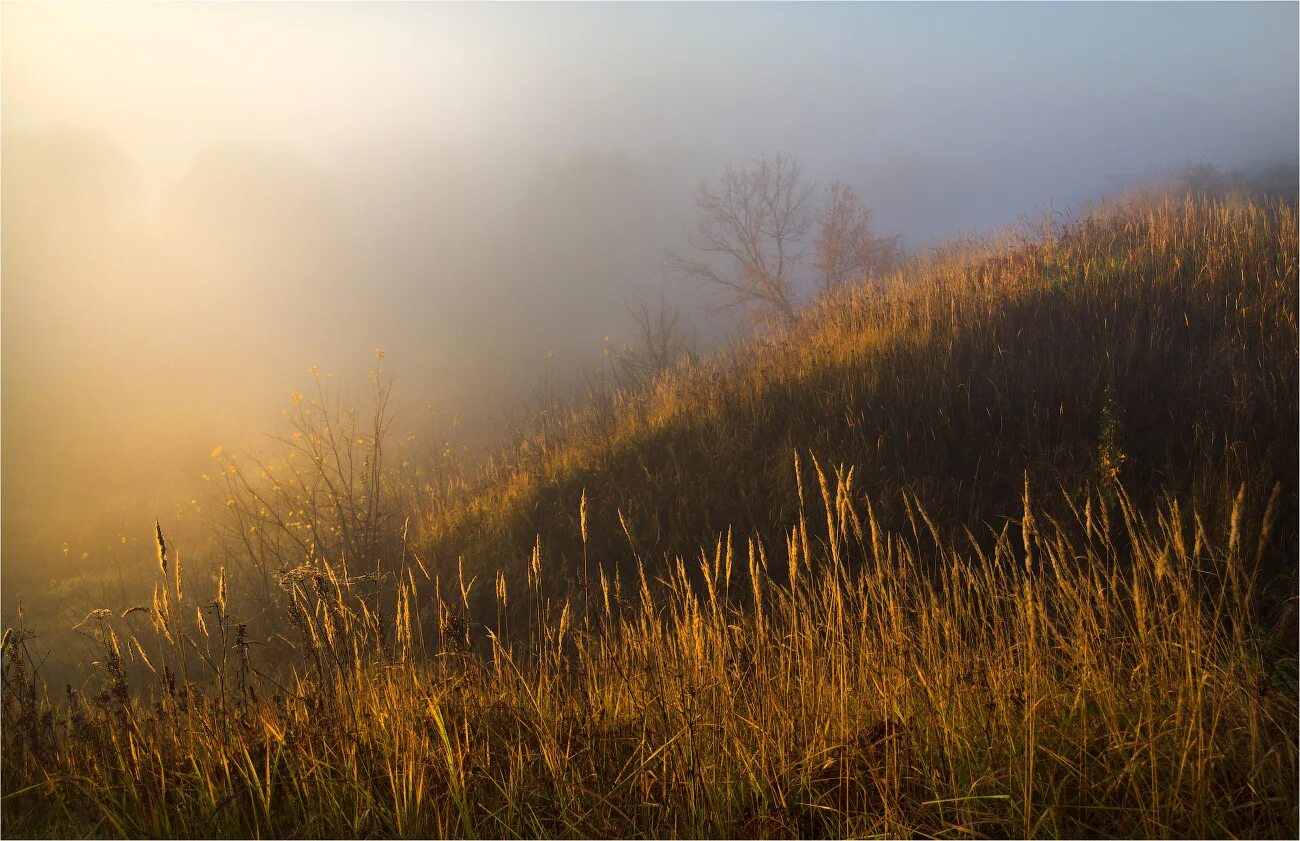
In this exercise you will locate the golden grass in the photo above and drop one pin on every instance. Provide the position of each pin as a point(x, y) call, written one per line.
point(1048, 591)
point(1150, 342)
point(1105, 676)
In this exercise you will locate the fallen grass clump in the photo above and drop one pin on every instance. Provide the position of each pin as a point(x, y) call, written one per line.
point(1107, 675)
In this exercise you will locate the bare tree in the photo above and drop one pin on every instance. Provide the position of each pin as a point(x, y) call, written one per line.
point(753, 221)
point(845, 249)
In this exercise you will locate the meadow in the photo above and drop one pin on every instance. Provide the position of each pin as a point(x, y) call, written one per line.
point(1003, 545)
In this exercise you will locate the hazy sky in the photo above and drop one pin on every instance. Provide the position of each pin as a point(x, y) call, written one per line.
point(202, 200)
point(1066, 94)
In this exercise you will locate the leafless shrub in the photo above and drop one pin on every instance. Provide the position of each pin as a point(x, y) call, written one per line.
point(331, 496)
point(658, 343)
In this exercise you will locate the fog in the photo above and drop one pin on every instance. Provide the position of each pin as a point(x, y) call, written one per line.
point(200, 202)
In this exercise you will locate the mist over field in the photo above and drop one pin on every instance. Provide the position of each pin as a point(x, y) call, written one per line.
point(200, 202)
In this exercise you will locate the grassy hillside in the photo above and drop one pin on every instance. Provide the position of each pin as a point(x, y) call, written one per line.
point(1152, 344)
point(1004, 548)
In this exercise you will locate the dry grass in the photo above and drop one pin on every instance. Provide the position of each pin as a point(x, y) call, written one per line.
point(1043, 601)
point(1152, 343)
point(1112, 679)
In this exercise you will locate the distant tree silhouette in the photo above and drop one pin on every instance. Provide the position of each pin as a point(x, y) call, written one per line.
point(752, 224)
point(753, 221)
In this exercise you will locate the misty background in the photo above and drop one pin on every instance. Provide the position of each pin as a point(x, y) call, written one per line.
point(200, 202)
